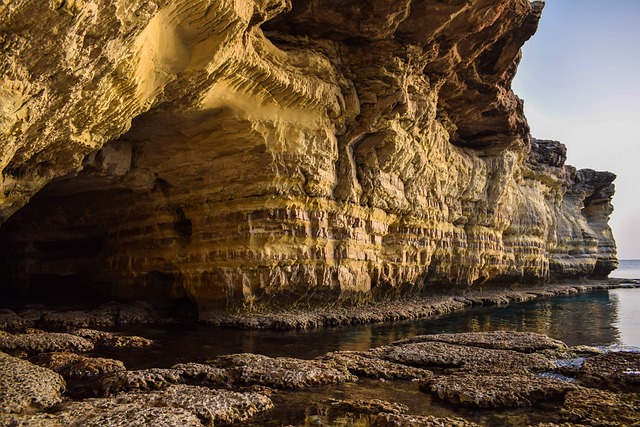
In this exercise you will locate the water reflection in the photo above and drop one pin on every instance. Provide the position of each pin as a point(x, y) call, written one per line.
point(596, 318)
point(628, 315)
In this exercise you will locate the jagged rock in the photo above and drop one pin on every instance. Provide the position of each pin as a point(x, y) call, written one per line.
point(113, 340)
point(43, 342)
point(25, 386)
point(495, 391)
point(615, 371)
point(601, 408)
point(102, 317)
point(282, 372)
point(439, 354)
point(214, 406)
point(362, 364)
point(274, 153)
point(527, 342)
point(140, 380)
point(176, 406)
point(204, 374)
point(401, 420)
point(10, 321)
point(71, 365)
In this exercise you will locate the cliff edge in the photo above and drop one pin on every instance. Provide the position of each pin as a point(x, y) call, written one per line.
point(270, 152)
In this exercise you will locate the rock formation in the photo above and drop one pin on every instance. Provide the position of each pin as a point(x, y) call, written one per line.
point(270, 152)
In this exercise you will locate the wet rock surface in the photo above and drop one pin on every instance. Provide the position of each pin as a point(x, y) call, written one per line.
point(439, 354)
point(601, 408)
point(367, 365)
point(527, 342)
point(43, 342)
point(113, 340)
point(25, 386)
point(401, 420)
point(71, 365)
point(495, 391)
point(450, 375)
point(615, 371)
point(282, 372)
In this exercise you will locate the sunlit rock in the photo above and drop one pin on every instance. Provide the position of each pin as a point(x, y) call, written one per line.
point(267, 152)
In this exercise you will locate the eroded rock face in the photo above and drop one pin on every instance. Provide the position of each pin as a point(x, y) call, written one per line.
point(255, 152)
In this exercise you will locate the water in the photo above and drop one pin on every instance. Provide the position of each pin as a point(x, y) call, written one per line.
point(628, 269)
point(599, 318)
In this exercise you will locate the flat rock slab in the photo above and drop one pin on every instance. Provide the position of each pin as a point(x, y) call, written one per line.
point(113, 340)
point(362, 364)
point(402, 420)
point(139, 380)
point(282, 372)
point(525, 342)
point(177, 406)
point(601, 408)
point(615, 371)
point(433, 354)
point(25, 386)
point(495, 391)
point(43, 342)
point(71, 365)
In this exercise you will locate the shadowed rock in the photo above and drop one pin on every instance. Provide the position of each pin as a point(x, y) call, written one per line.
point(71, 365)
point(43, 342)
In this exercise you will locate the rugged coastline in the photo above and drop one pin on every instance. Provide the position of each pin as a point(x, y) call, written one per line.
point(465, 379)
point(266, 152)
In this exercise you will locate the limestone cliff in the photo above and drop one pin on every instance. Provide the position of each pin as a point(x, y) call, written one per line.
point(248, 152)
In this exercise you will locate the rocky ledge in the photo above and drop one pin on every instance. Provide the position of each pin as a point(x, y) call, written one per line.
point(254, 153)
point(470, 379)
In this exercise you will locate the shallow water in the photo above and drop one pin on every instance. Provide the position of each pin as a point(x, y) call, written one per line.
point(599, 318)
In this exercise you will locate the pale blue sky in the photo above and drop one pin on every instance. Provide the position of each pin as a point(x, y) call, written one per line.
point(580, 80)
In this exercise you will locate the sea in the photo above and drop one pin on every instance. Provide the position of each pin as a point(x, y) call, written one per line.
point(628, 269)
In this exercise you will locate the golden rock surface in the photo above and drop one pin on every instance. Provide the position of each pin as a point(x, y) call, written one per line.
point(250, 152)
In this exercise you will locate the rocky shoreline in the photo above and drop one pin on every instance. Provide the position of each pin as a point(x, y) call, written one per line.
point(54, 378)
point(115, 314)
point(471, 378)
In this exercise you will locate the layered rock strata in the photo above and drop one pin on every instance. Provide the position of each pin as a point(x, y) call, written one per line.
point(265, 152)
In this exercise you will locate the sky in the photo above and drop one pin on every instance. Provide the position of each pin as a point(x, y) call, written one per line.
point(580, 81)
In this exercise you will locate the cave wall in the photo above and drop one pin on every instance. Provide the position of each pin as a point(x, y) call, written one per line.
point(266, 152)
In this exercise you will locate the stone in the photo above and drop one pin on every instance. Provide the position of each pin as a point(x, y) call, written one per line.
point(71, 365)
point(113, 340)
point(25, 387)
point(526, 342)
point(204, 374)
point(282, 372)
point(139, 380)
point(495, 391)
point(10, 321)
point(439, 354)
point(601, 408)
point(177, 406)
point(403, 420)
point(43, 342)
point(214, 406)
point(614, 371)
point(362, 364)
point(268, 154)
